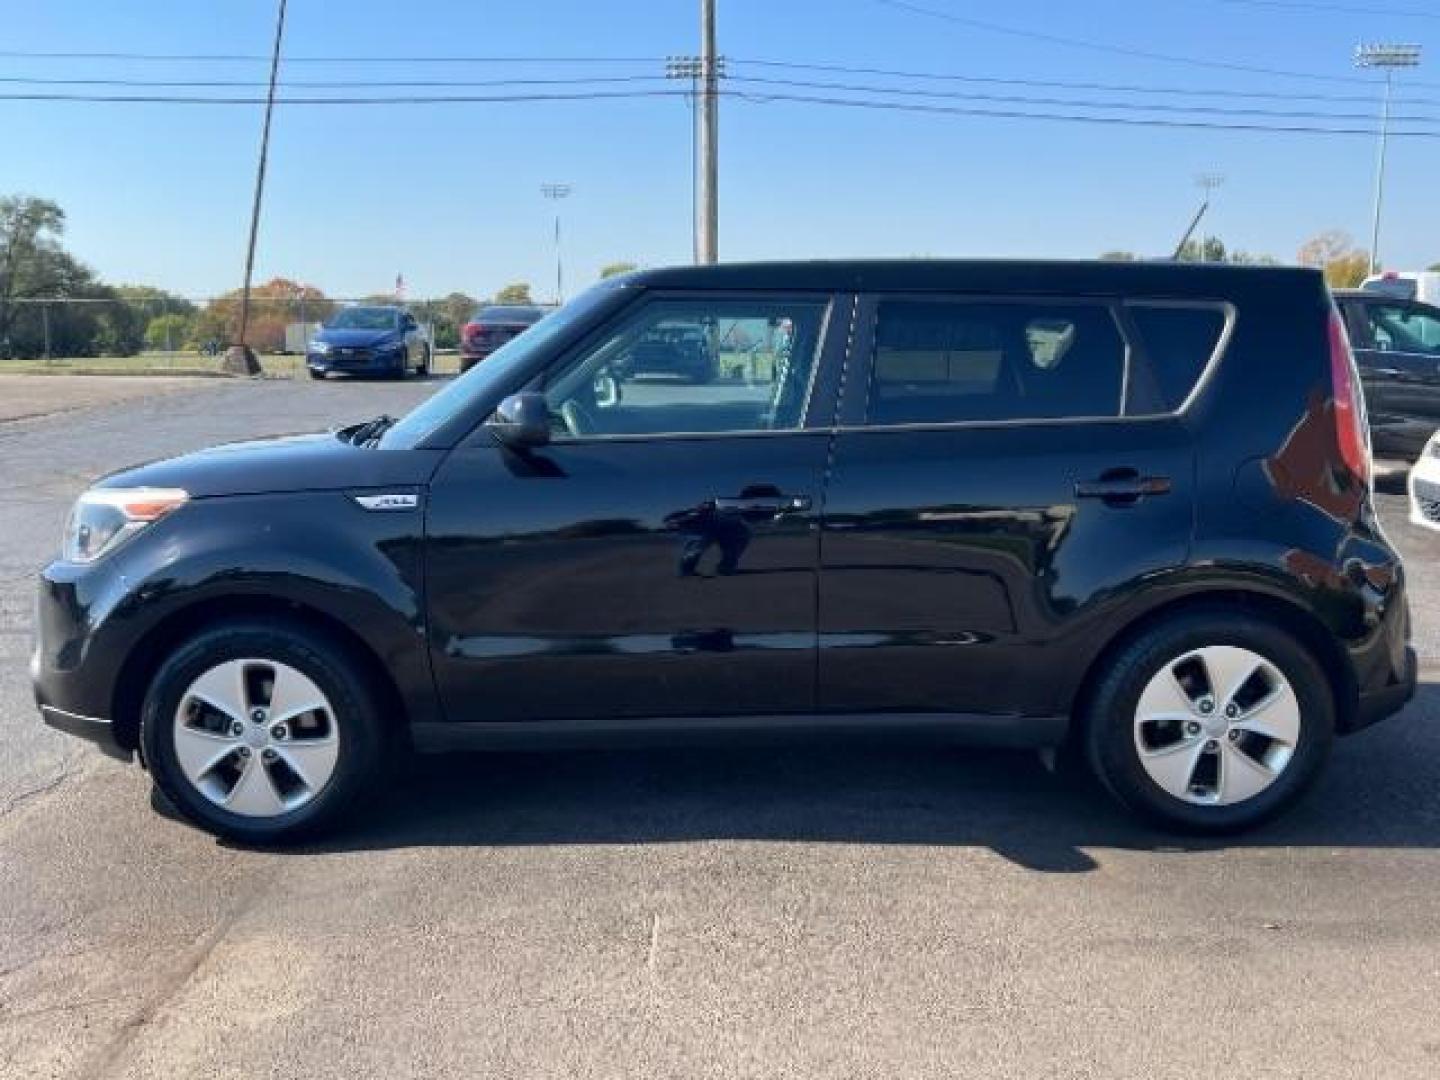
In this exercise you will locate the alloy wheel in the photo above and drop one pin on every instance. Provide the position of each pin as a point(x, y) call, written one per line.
point(256, 737)
point(1217, 726)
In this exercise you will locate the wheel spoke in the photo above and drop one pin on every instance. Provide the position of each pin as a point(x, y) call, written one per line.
point(1229, 669)
point(1164, 699)
point(200, 751)
point(312, 760)
point(223, 688)
point(293, 694)
point(1276, 717)
point(254, 793)
point(1173, 766)
point(1240, 777)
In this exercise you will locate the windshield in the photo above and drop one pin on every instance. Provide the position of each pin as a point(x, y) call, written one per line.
point(362, 318)
point(497, 370)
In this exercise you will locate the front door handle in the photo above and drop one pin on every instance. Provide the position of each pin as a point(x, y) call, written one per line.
point(1122, 487)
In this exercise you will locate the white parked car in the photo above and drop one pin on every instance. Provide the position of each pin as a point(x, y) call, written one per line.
point(1422, 285)
point(1425, 486)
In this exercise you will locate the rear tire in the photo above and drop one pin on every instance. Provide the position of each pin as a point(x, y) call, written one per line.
point(261, 732)
point(1178, 732)
point(316, 374)
point(424, 368)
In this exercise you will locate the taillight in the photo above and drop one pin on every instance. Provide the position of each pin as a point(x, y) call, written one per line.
point(470, 331)
point(1350, 426)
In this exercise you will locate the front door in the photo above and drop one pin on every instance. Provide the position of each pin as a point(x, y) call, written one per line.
point(987, 487)
point(657, 558)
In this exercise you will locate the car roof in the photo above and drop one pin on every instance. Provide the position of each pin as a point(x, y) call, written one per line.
point(989, 275)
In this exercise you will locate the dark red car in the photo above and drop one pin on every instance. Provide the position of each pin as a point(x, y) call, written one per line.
point(491, 327)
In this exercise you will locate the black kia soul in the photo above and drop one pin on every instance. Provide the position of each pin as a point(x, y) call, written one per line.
point(1122, 510)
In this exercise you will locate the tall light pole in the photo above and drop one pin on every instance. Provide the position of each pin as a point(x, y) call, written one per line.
point(556, 192)
point(1208, 182)
point(1387, 58)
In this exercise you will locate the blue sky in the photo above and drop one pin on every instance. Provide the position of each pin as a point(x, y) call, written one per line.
point(449, 196)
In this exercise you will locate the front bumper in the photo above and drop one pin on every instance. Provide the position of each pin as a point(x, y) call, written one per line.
point(359, 360)
point(92, 728)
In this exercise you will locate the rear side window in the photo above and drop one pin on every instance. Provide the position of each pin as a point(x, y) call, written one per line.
point(938, 362)
point(1179, 341)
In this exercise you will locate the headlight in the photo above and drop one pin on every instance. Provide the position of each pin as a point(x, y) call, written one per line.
point(321, 347)
point(105, 518)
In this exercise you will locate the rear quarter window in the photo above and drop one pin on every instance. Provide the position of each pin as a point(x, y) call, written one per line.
point(1179, 341)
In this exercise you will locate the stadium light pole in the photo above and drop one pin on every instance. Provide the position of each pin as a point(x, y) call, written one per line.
point(1387, 58)
point(556, 192)
point(1207, 182)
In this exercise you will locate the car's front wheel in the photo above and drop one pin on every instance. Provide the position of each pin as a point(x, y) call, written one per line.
point(1210, 722)
point(261, 732)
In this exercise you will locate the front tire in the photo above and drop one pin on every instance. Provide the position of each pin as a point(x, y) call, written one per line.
point(1210, 722)
point(261, 732)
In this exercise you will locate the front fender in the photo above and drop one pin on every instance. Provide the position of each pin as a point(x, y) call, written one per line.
point(318, 551)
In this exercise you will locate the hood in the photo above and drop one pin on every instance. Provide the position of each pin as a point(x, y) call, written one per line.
point(356, 339)
point(286, 464)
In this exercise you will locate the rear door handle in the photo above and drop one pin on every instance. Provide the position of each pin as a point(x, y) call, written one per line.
point(764, 504)
point(1122, 487)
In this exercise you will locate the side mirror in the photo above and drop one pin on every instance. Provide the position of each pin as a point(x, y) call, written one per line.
point(522, 421)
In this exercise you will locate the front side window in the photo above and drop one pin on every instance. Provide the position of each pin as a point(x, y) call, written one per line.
point(1402, 328)
point(938, 362)
point(693, 367)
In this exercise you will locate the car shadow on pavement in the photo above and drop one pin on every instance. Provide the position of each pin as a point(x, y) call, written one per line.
point(1379, 791)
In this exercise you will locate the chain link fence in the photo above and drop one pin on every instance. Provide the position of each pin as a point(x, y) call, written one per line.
point(173, 334)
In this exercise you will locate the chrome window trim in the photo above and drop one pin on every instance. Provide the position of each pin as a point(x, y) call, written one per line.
point(1222, 343)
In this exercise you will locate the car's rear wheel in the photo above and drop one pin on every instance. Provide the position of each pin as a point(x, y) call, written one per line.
point(261, 732)
point(1210, 722)
point(316, 374)
point(424, 367)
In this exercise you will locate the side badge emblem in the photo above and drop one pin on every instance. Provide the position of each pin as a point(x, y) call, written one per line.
point(391, 500)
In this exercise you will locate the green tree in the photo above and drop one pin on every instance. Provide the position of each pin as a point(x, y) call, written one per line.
point(615, 269)
point(31, 259)
point(516, 293)
point(170, 331)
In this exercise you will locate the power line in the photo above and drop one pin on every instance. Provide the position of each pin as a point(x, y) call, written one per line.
point(208, 58)
point(1344, 9)
point(1117, 121)
point(1128, 88)
point(416, 99)
point(1142, 106)
point(590, 80)
point(1105, 47)
point(327, 84)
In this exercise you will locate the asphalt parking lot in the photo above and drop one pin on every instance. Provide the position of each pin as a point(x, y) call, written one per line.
point(763, 912)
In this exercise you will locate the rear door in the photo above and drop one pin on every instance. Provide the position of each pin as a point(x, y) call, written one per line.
point(1003, 464)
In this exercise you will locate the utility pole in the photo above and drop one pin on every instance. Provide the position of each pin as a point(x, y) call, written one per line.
point(704, 72)
point(708, 227)
point(241, 355)
point(1387, 58)
point(556, 192)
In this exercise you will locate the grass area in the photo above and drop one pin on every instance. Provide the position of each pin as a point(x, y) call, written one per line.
point(178, 363)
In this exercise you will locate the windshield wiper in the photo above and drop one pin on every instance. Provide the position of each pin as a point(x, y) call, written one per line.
point(368, 433)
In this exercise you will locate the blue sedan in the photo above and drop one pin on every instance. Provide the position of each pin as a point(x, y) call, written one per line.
point(369, 341)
